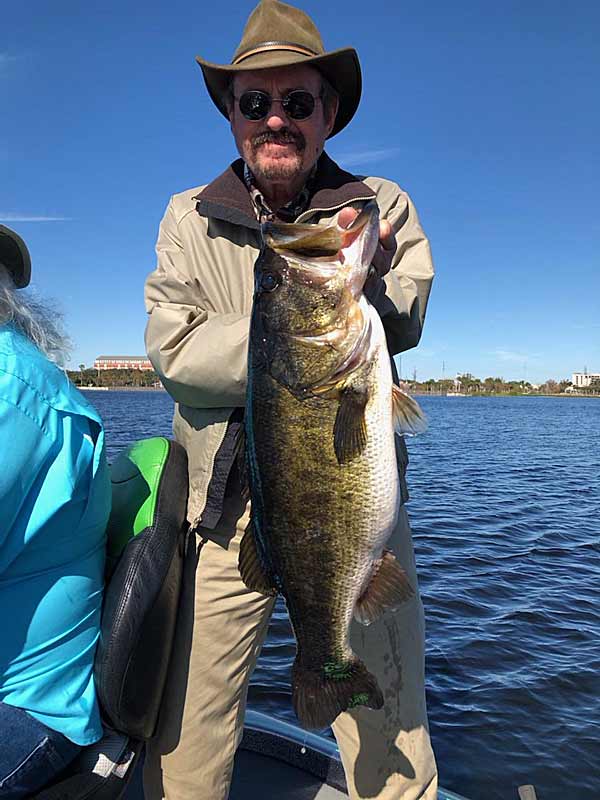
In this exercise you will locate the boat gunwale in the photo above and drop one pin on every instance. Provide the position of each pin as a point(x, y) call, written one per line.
point(311, 752)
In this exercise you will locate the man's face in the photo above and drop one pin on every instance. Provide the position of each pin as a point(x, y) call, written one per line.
point(279, 149)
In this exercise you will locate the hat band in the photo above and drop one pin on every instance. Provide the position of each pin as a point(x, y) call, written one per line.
point(264, 47)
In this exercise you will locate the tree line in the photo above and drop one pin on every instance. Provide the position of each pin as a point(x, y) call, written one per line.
point(469, 384)
point(114, 378)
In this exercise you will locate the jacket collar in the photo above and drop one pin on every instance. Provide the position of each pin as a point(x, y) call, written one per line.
point(227, 197)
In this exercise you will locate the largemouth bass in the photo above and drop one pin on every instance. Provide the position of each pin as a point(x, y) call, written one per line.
point(320, 419)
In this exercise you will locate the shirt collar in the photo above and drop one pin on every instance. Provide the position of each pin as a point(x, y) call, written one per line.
point(287, 213)
point(228, 199)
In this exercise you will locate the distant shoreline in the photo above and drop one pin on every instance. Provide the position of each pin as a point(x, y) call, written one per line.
point(507, 394)
point(414, 394)
point(122, 388)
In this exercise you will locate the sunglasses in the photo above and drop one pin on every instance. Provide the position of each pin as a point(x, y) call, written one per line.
point(297, 104)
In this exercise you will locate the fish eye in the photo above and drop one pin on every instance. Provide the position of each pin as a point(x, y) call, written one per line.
point(268, 281)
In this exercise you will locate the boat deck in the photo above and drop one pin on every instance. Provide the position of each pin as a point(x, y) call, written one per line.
point(259, 777)
point(279, 761)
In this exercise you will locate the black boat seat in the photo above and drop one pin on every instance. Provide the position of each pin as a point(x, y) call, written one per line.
point(145, 551)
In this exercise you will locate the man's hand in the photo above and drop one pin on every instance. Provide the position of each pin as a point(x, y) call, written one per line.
point(382, 260)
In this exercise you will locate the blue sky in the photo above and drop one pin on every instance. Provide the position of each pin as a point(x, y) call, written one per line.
point(488, 114)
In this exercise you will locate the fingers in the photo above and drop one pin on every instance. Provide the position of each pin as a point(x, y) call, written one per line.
point(386, 235)
point(347, 216)
point(382, 260)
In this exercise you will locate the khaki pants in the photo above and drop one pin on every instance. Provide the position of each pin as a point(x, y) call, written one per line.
point(386, 754)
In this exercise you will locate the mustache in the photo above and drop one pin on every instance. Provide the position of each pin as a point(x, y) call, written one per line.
point(284, 136)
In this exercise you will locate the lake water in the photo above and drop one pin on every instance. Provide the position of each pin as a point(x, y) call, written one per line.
point(505, 509)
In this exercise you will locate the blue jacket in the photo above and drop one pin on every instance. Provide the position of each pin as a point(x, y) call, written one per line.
point(54, 506)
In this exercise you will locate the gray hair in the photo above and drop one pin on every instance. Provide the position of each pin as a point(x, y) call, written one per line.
point(36, 320)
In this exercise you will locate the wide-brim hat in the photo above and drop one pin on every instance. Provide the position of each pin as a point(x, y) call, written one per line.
point(14, 255)
point(279, 35)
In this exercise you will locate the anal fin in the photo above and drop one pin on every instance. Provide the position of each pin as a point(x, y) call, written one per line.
point(250, 565)
point(388, 589)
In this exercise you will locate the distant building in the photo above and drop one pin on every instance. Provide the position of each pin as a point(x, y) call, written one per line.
point(581, 380)
point(122, 362)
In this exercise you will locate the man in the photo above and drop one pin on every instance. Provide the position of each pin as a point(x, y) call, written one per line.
point(55, 502)
point(284, 96)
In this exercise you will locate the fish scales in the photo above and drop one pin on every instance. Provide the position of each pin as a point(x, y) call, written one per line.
point(322, 510)
point(321, 456)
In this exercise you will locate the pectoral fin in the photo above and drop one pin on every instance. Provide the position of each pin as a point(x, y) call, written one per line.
point(387, 589)
point(350, 429)
point(251, 568)
point(407, 413)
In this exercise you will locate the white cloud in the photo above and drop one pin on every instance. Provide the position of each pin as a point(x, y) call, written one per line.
point(13, 217)
point(359, 157)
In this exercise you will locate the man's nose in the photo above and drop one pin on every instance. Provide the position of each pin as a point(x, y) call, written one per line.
point(276, 118)
point(276, 121)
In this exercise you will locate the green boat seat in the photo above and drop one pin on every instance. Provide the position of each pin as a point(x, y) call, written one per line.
point(146, 541)
point(145, 555)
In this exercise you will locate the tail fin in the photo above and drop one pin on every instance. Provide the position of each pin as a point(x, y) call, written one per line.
point(320, 696)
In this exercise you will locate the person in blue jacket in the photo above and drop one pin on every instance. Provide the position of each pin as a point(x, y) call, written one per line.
point(54, 507)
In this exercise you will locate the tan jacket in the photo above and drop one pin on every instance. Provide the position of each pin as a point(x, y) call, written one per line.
point(199, 298)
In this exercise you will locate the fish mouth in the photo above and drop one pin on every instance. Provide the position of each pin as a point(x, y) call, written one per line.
point(360, 242)
point(324, 268)
point(320, 241)
point(365, 217)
